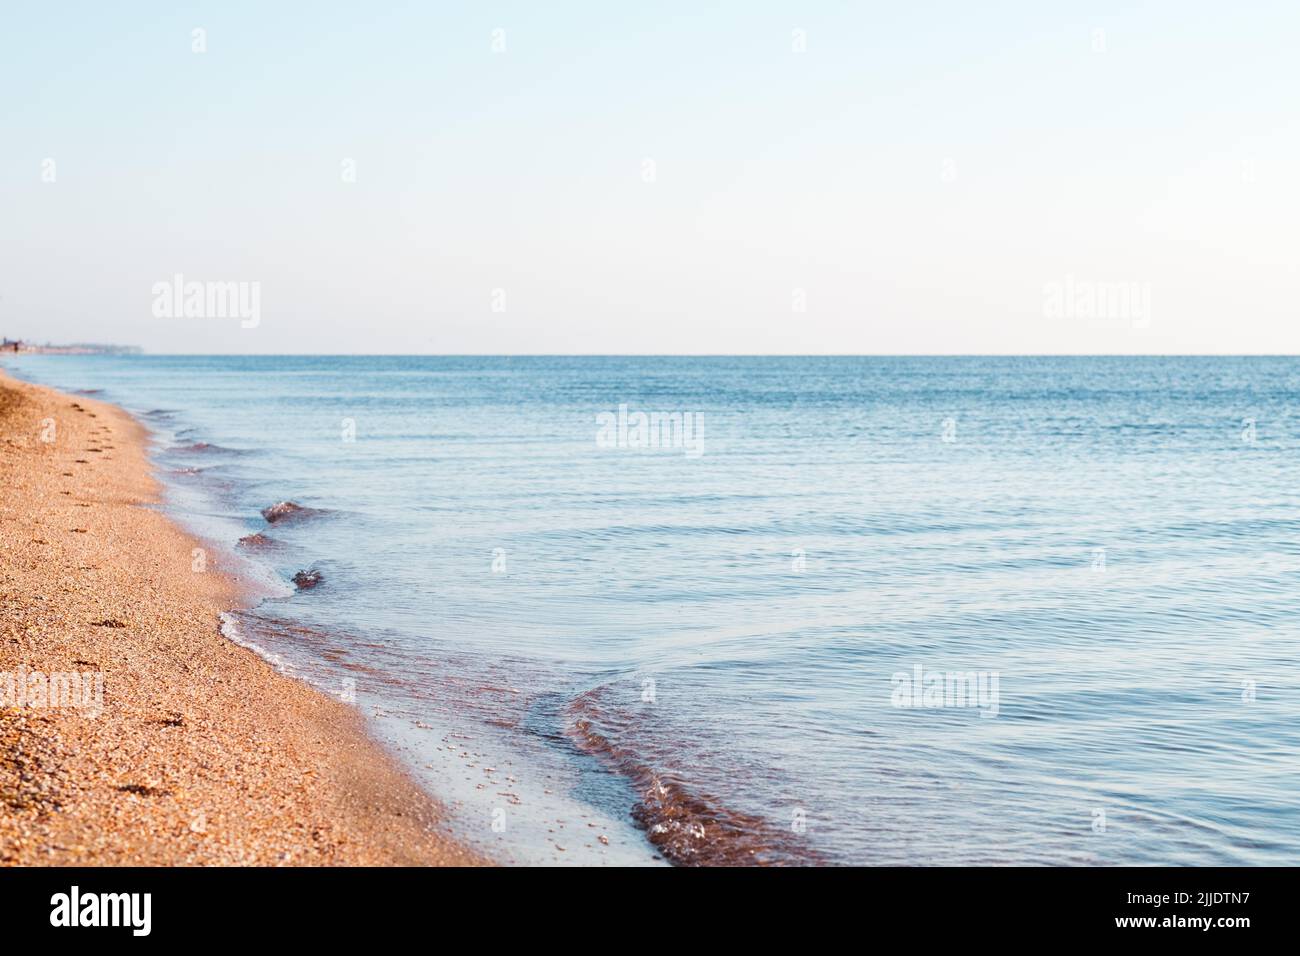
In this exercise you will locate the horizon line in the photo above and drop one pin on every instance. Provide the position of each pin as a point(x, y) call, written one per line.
point(702, 355)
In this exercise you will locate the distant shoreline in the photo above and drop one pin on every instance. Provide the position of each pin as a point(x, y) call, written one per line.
point(19, 347)
point(28, 349)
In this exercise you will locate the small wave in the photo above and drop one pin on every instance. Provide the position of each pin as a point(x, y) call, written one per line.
point(325, 650)
point(231, 630)
point(689, 829)
point(202, 447)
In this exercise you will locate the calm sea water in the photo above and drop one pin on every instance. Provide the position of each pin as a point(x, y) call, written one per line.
point(698, 654)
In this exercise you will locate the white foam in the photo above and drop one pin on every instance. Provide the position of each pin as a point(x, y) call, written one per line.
point(231, 630)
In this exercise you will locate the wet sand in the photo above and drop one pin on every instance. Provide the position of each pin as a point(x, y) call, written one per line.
point(201, 753)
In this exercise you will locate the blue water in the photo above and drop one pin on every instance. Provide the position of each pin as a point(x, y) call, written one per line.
point(614, 654)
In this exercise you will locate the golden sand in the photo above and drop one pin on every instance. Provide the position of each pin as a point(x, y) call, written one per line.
point(202, 753)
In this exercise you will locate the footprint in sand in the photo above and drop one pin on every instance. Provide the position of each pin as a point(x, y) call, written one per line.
point(144, 790)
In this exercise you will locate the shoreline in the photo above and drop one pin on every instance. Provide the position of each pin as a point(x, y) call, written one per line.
point(132, 731)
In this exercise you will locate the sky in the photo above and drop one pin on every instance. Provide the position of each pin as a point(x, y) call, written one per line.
point(675, 178)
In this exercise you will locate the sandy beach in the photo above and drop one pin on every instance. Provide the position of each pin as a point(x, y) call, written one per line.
point(132, 731)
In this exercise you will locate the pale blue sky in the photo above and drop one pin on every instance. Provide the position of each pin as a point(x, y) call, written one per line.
point(922, 175)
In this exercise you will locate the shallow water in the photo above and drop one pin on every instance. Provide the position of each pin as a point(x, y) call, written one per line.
point(613, 654)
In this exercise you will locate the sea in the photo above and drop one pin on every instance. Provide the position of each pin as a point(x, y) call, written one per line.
point(787, 610)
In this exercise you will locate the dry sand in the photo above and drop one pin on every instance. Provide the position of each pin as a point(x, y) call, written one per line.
point(202, 754)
